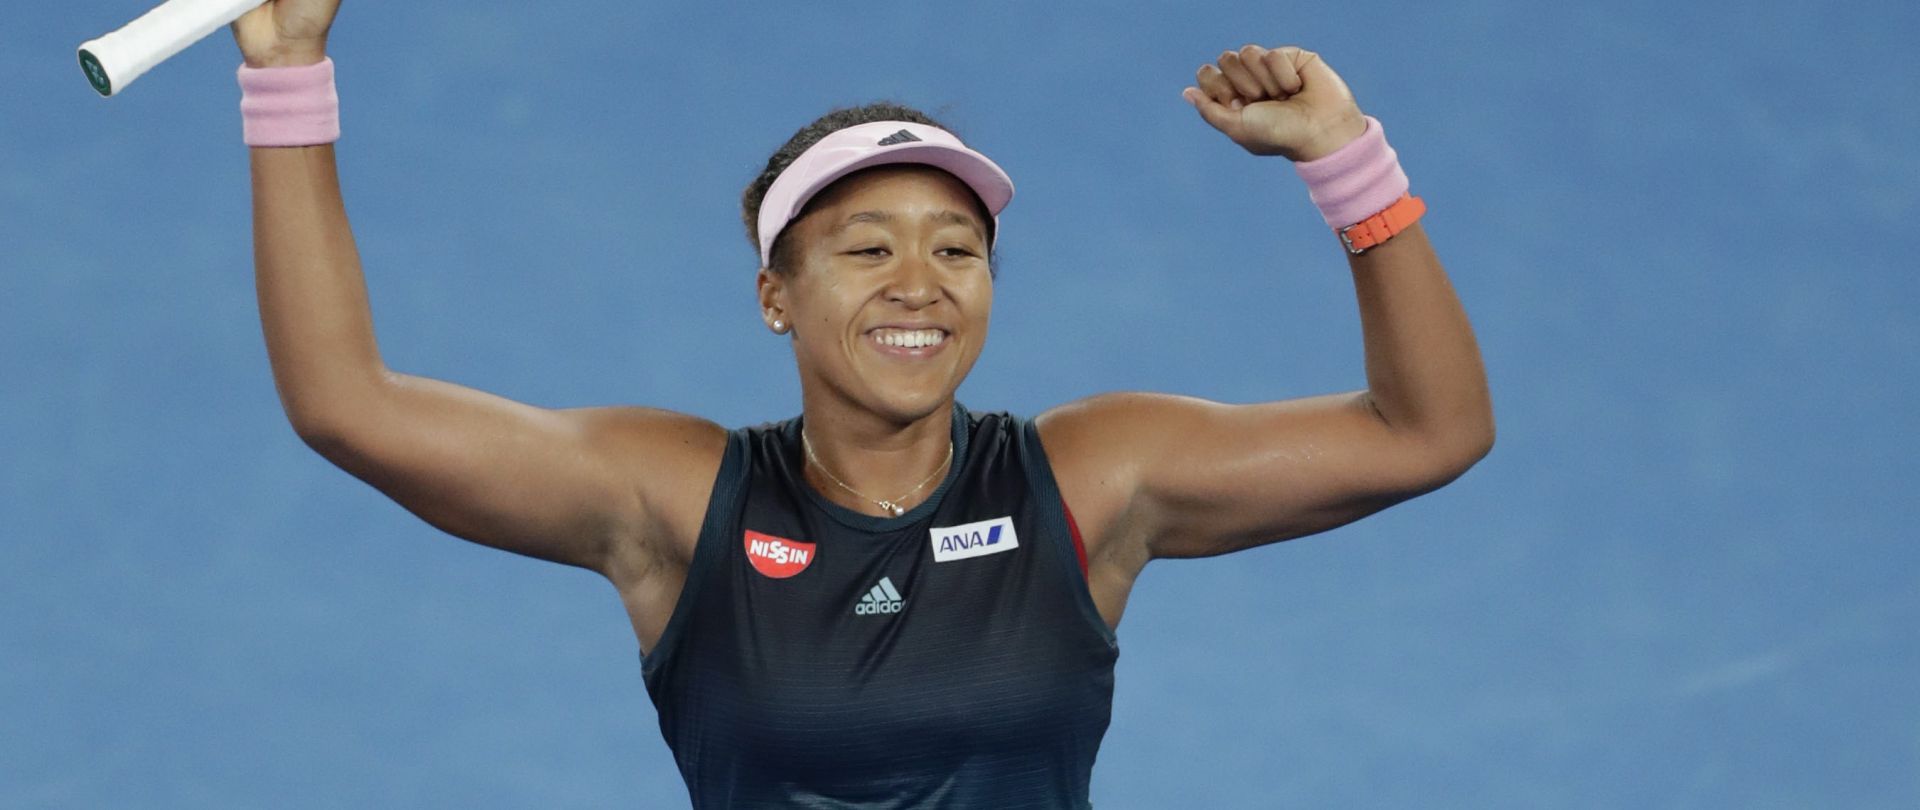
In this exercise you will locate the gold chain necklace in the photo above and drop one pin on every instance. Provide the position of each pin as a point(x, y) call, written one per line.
point(892, 507)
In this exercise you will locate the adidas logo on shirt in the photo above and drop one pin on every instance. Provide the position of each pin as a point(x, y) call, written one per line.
point(884, 598)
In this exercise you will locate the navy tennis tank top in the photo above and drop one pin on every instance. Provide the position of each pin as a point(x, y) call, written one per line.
point(951, 657)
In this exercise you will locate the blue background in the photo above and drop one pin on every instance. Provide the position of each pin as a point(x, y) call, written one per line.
point(1685, 578)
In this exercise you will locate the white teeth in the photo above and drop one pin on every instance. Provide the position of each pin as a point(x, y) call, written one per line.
point(910, 338)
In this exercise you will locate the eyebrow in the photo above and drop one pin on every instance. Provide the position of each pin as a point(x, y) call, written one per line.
point(944, 217)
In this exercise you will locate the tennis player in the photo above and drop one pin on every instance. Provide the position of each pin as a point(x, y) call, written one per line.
point(890, 600)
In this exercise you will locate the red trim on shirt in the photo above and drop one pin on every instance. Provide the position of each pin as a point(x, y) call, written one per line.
point(1079, 548)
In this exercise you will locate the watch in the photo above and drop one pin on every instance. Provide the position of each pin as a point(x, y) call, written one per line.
point(1369, 232)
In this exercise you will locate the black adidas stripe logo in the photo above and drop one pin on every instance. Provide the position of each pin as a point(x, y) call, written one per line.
point(900, 137)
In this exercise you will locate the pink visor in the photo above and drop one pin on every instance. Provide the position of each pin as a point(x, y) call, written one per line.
point(879, 143)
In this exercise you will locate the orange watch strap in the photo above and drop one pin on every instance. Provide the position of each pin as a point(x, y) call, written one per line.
point(1380, 227)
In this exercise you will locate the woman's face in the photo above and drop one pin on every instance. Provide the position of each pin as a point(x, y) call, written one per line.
point(890, 291)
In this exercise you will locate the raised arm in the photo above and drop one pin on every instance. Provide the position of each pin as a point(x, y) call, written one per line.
point(601, 488)
point(1163, 476)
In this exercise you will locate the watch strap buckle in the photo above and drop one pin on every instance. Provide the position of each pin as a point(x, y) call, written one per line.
point(1382, 226)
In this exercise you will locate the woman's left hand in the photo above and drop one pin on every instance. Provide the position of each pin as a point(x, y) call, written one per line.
point(1279, 101)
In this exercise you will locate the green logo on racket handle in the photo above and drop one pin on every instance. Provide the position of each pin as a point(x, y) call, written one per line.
point(96, 74)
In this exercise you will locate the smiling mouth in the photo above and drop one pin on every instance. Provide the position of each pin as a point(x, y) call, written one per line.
point(908, 342)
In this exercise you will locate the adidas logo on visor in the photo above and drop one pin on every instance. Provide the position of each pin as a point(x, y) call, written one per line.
point(902, 136)
point(884, 598)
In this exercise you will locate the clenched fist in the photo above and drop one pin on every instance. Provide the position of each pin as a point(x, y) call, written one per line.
point(285, 33)
point(1279, 101)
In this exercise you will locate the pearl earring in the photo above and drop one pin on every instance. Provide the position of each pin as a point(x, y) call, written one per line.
point(779, 326)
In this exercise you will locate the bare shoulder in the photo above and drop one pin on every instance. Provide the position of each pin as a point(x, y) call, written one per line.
point(1116, 409)
point(1094, 446)
point(667, 462)
point(1110, 432)
point(659, 433)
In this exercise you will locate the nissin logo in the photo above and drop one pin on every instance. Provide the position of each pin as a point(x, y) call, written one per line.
point(974, 539)
point(777, 557)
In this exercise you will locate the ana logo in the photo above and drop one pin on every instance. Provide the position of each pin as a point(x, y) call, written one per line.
point(777, 557)
point(882, 598)
point(974, 539)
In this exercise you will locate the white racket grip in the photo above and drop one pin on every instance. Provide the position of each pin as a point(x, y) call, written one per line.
point(113, 61)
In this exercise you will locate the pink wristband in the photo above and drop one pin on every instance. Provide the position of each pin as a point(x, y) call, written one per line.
point(1356, 181)
point(290, 106)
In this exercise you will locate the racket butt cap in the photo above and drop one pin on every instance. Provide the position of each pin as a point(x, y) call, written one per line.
point(96, 73)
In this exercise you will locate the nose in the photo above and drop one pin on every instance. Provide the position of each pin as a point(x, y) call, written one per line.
point(914, 284)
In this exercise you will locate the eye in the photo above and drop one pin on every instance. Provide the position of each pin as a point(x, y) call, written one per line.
point(868, 251)
point(958, 252)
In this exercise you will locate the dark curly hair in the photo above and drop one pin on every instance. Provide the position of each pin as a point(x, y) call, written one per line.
point(834, 120)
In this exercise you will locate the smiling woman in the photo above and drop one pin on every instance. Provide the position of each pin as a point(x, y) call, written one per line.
point(889, 600)
point(890, 296)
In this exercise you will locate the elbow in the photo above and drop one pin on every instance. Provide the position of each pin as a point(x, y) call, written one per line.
point(1445, 455)
point(331, 429)
point(1463, 447)
point(323, 436)
point(1478, 441)
point(328, 419)
point(1444, 449)
point(314, 419)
